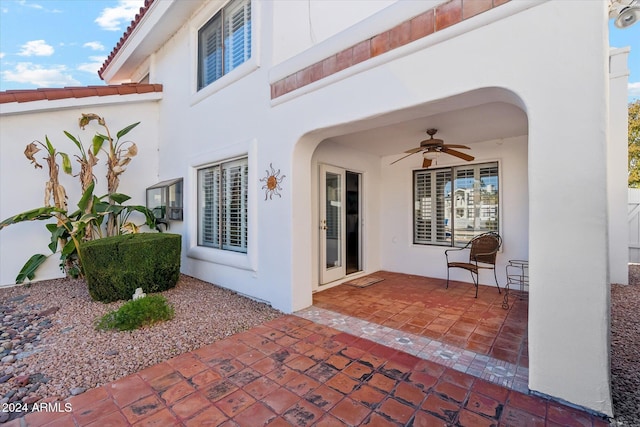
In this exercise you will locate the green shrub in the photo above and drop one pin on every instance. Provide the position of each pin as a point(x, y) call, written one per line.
point(137, 313)
point(115, 266)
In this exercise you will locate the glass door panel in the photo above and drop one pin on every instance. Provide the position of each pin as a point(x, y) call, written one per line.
point(332, 242)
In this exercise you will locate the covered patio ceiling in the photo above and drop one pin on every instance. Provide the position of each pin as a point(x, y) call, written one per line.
point(482, 115)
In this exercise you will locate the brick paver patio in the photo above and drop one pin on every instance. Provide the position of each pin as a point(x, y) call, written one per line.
point(292, 371)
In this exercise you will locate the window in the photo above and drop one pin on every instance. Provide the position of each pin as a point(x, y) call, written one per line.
point(452, 205)
point(164, 199)
point(224, 42)
point(222, 205)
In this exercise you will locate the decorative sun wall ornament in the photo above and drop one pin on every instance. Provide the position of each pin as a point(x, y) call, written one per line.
point(272, 183)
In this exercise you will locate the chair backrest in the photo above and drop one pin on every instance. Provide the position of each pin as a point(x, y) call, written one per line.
point(484, 247)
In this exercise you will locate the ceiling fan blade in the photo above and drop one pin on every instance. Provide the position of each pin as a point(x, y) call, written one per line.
point(457, 146)
point(426, 163)
point(414, 150)
point(463, 156)
point(403, 157)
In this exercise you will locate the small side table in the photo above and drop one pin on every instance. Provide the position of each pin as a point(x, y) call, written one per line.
point(517, 280)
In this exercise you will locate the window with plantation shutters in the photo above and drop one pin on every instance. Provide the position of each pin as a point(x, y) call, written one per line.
point(224, 42)
point(222, 200)
point(452, 205)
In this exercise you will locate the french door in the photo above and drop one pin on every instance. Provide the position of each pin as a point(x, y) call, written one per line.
point(340, 237)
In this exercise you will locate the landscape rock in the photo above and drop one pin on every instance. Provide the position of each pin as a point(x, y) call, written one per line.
point(77, 390)
point(21, 380)
point(49, 311)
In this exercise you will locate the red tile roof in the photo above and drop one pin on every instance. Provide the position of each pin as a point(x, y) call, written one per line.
point(125, 36)
point(76, 92)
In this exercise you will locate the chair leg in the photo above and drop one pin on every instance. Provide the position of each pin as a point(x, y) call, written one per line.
point(496, 277)
point(475, 282)
point(447, 278)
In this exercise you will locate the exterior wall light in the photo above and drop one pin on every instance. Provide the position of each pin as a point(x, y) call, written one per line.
point(164, 199)
point(625, 12)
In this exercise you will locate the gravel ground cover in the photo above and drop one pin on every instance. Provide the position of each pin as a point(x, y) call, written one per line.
point(50, 350)
point(625, 350)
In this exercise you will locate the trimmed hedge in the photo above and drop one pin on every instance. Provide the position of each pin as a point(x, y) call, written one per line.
point(115, 266)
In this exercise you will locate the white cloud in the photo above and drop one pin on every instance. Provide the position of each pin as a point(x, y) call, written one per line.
point(1, 55)
point(94, 66)
point(112, 18)
point(27, 72)
point(634, 89)
point(36, 48)
point(94, 45)
point(31, 5)
point(35, 6)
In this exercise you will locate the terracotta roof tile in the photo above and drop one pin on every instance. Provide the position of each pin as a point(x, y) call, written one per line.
point(76, 92)
point(125, 36)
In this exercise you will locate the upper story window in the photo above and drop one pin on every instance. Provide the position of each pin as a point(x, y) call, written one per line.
point(454, 204)
point(224, 42)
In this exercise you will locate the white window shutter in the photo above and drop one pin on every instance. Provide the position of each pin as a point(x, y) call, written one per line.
point(451, 211)
point(237, 34)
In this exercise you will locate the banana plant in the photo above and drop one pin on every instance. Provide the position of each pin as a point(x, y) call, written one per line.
point(53, 188)
point(71, 229)
point(119, 155)
point(88, 221)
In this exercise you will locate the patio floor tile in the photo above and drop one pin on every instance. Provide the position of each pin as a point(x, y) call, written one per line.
point(396, 411)
point(142, 408)
point(96, 411)
point(211, 416)
point(64, 421)
point(280, 400)
point(190, 405)
point(292, 371)
point(303, 414)
point(324, 397)
point(161, 418)
point(256, 415)
point(350, 411)
point(88, 398)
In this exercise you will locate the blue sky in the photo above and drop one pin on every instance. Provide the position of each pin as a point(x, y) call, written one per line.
point(57, 43)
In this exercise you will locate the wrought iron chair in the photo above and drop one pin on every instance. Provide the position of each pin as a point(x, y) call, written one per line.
point(483, 250)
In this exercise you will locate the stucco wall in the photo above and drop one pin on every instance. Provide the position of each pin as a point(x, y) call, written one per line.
point(617, 176)
point(22, 186)
point(302, 25)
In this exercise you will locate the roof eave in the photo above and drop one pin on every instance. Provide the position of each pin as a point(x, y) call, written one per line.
point(144, 37)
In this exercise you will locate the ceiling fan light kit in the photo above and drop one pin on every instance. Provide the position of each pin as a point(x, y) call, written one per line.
point(624, 12)
point(432, 146)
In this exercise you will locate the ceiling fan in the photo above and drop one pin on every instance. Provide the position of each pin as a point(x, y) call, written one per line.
point(433, 145)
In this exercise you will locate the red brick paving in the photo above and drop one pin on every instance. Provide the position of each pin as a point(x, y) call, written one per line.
point(259, 378)
point(424, 306)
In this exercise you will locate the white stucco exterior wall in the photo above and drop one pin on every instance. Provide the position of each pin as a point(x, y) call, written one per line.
point(302, 25)
point(22, 186)
point(617, 177)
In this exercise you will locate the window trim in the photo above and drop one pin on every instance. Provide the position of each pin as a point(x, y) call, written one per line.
point(240, 260)
point(253, 63)
point(452, 168)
